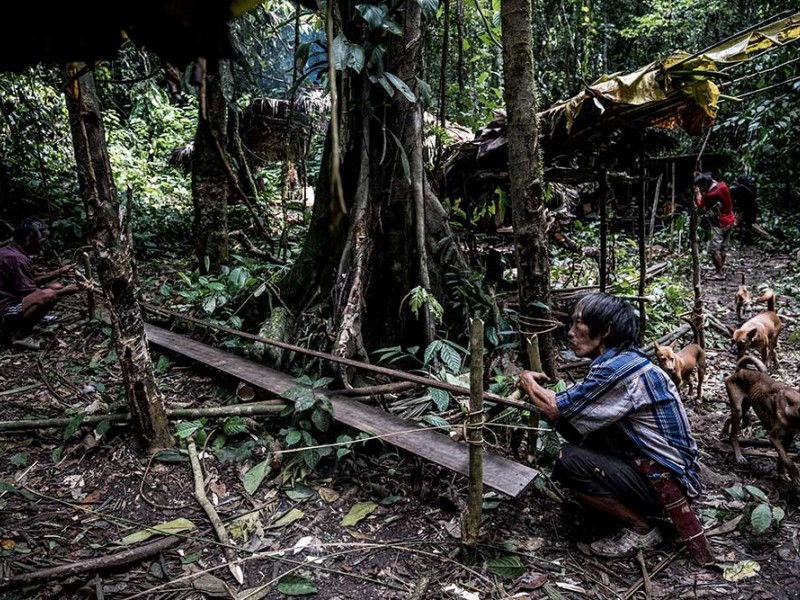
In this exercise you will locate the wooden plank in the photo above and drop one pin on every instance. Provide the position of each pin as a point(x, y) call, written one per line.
point(501, 474)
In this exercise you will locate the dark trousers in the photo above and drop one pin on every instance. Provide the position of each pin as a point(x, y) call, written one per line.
point(596, 473)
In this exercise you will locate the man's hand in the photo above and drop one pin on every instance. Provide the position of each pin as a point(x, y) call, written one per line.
point(65, 269)
point(542, 398)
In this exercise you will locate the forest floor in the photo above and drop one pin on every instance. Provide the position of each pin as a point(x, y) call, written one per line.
point(67, 497)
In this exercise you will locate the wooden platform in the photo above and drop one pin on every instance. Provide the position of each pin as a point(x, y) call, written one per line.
point(501, 474)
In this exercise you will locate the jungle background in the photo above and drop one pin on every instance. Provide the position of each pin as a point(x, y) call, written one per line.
point(219, 176)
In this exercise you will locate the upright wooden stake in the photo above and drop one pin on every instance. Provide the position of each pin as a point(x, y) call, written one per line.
point(87, 272)
point(697, 310)
point(471, 521)
point(603, 191)
point(642, 257)
point(535, 362)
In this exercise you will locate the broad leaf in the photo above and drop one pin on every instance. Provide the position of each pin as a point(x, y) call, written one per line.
point(778, 514)
point(296, 585)
point(429, 8)
point(287, 518)
point(169, 528)
point(440, 398)
point(756, 493)
point(507, 566)
point(253, 478)
point(741, 570)
point(358, 512)
point(761, 517)
point(341, 48)
point(431, 351)
point(436, 421)
point(451, 358)
point(372, 14)
point(401, 87)
point(737, 492)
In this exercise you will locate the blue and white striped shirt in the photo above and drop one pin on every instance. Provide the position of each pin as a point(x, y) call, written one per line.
point(624, 388)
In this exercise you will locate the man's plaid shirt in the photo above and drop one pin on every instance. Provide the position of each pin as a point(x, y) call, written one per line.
point(625, 389)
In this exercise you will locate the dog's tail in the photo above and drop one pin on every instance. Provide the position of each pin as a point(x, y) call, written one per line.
point(751, 360)
point(769, 298)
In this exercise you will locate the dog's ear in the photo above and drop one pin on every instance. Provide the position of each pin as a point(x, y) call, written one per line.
point(656, 346)
point(672, 345)
point(751, 334)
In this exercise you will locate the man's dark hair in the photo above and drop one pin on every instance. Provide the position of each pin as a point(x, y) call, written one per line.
point(704, 179)
point(610, 317)
point(30, 227)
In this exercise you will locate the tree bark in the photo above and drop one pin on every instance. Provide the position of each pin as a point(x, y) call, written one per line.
point(210, 185)
point(529, 212)
point(110, 236)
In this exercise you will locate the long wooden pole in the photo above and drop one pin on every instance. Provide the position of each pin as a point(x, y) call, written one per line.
point(471, 521)
point(434, 383)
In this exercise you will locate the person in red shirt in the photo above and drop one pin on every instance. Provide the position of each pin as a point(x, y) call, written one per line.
point(25, 298)
point(712, 194)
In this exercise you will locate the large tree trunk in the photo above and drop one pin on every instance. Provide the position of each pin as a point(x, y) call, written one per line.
point(384, 247)
point(210, 184)
point(110, 236)
point(529, 212)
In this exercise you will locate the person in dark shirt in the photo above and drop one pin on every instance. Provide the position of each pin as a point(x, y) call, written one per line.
point(25, 298)
point(743, 194)
point(710, 193)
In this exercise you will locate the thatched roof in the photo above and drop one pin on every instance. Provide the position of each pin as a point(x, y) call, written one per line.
point(620, 114)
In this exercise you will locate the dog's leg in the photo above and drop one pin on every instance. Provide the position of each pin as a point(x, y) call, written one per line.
point(701, 377)
point(736, 397)
point(785, 464)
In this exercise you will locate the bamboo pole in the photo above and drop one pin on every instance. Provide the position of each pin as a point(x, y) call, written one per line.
point(87, 272)
point(471, 520)
point(697, 310)
point(266, 408)
point(535, 363)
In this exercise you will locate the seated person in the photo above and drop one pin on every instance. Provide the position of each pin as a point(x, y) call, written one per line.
point(26, 298)
point(626, 429)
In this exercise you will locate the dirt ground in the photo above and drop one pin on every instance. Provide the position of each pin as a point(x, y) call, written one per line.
point(68, 497)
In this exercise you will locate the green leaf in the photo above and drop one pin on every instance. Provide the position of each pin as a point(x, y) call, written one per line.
point(761, 517)
point(430, 351)
point(429, 8)
point(20, 459)
point(372, 14)
point(253, 478)
point(441, 398)
point(72, 426)
point(340, 52)
point(186, 428)
point(293, 437)
point(234, 425)
point(169, 528)
point(296, 585)
point(436, 421)
point(401, 87)
point(358, 512)
point(304, 403)
point(737, 493)
point(507, 566)
point(756, 493)
point(321, 420)
point(741, 570)
point(287, 518)
point(450, 358)
point(778, 514)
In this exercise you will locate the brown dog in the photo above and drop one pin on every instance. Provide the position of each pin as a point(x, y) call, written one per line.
point(760, 333)
point(743, 301)
point(776, 404)
point(680, 365)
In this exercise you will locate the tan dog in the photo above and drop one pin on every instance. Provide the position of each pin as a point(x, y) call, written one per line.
point(776, 404)
point(743, 301)
point(680, 365)
point(760, 333)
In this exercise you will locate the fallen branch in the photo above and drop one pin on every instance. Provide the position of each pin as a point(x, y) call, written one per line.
point(211, 513)
point(374, 390)
point(266, 408)
point(660, 567)
point(110, 561)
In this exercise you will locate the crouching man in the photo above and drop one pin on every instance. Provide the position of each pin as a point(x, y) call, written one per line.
point(631, 454)
point(26, 298)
